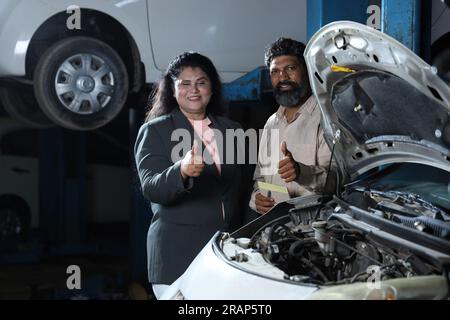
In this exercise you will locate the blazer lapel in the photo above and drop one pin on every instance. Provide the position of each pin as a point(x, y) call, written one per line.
point(179, 121)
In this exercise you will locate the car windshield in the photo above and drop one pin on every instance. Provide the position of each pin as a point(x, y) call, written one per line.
point(429, 183)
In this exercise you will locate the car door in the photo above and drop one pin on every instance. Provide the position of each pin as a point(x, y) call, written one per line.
point(233, 33)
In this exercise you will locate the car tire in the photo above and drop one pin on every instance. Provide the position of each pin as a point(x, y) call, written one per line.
point(81, 83)
point(442, 62)
point(19, 102)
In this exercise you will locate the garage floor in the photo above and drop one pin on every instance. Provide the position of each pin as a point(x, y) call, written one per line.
point(101, 279)
point(32, 271)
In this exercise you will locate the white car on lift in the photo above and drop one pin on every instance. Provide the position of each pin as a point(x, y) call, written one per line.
point(384, 233)
point(82, 77)
point(85, 61)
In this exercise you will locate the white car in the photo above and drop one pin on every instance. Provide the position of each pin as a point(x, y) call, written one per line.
point(385, 233)
point(84, 61)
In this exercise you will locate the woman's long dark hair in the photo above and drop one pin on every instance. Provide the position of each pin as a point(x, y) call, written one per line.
point(162, 100)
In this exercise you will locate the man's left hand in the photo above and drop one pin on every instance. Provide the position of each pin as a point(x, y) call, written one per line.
point(288, 169)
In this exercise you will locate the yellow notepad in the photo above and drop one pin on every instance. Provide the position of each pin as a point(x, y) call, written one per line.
point(278, 193)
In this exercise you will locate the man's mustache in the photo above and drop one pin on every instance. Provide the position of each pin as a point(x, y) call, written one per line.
point(293, 84)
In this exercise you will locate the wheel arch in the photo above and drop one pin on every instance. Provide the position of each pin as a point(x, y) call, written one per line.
point(95, 24)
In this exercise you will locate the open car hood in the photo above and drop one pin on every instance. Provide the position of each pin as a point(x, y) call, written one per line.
point(380, 102)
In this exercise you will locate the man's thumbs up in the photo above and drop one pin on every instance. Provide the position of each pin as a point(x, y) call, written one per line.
point(285, 150)
point(288, 169)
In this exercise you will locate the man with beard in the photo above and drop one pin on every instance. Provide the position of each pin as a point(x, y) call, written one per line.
point(293, 152)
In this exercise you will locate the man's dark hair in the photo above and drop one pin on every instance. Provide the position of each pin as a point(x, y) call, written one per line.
point(162, 100)
point(285, 47)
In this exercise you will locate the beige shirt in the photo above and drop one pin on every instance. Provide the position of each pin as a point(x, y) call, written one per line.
point(304, 139)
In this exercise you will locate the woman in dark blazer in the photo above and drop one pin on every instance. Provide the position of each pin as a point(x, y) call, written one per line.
point(193, 194)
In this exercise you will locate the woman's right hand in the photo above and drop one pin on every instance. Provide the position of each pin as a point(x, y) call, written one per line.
point(192, 164)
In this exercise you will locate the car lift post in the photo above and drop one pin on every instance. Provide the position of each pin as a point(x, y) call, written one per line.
point(322, 12)
point(401, 20)
point(62, 185)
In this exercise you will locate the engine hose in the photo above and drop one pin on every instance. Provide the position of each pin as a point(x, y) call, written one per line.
point(315, 268)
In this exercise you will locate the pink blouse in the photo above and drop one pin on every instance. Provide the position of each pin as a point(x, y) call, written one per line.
point(203, 130)
point(201, 127)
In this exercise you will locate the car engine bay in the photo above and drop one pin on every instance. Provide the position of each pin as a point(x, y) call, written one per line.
point(334, 244)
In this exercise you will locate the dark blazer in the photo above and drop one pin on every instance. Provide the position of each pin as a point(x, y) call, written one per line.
point(185, 215)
